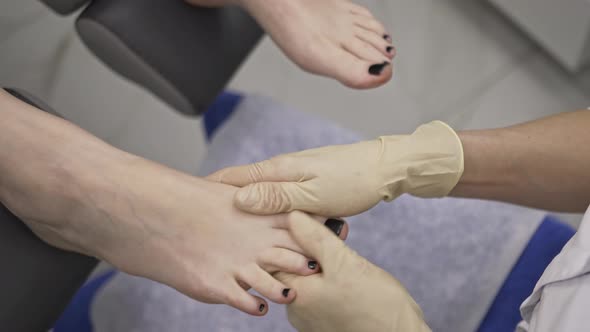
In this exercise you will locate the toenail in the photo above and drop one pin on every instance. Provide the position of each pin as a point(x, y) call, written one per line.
point(377, 69)
point(389, 49)
point(286, 292)
point(335, 225)
point(312, 265)
point(261, 308)
point(386, 36)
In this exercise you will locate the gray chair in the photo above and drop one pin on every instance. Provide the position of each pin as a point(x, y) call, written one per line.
point(183, 55)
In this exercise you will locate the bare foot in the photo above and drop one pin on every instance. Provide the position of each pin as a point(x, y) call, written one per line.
point(182, 231)
point(204, 247)
point(334, 38)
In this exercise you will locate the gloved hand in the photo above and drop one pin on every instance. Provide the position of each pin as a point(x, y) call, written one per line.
point(350, 294)
point(345, 180)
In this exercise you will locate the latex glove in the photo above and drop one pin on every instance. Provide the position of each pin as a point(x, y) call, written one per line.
point(350, 294)
point(345, 180)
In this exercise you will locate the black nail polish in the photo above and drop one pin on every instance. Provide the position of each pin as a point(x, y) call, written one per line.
point(286, 292)
point(335, 225)
point(389, 49)
point(261, 308)
point(377, 69)
point(386, 37)
point(312, 265)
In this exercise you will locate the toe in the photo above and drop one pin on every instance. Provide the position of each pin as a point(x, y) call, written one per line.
point(364, 18)
point(364, 50)
point(360, 74)
point(377, 41)
point(282, 222)
point(343, 230)
point(278, 259)
point(372, 75)
point(240, 299)
point(359, 10)
point(281, 238)
point(371, 24)
point(350, 68)
point(267, 286)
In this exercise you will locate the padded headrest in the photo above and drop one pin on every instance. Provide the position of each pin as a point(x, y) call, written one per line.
point(182, 54)
point(65, 7)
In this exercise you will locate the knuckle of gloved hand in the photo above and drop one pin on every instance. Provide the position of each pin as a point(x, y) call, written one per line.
point(256, 171)
point(273, 197)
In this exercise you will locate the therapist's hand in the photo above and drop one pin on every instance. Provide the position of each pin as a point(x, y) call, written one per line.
point(350, 294)
point(345, 180)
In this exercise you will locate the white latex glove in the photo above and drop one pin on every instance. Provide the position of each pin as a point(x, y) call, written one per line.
point(345, 180)
point(350, 294)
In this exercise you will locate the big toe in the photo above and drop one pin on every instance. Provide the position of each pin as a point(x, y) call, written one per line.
point(362, 74)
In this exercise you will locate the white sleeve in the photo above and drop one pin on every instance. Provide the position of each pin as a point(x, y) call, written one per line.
point(564, 306)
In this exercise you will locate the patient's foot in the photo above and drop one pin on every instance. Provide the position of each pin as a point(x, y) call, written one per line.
point(334, 38)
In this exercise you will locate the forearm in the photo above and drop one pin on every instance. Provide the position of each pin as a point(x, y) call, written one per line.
point(543, 164)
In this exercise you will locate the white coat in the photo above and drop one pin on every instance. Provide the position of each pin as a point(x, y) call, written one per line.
point(561, 298)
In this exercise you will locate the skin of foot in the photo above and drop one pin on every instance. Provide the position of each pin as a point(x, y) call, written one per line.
point(80, 194)
point(333, 38)
point(350, 294)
